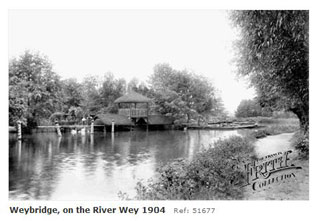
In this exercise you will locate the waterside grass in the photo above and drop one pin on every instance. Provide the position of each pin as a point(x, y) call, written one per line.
point(213, 174)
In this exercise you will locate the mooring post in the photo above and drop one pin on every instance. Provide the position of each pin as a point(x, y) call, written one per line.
point(91, 140)
point(19, 150)
point(112, 126)
point(83, 130)
point(19, 130)
point(112, 140)
point(58, 128)
point(92, 126)
point(59, 142)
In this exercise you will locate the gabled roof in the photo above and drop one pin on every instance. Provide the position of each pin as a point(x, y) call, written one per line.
point(133, 97)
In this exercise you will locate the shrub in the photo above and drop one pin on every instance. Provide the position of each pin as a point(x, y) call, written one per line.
point(260, 133)
point(300, 142)
point(212, 174)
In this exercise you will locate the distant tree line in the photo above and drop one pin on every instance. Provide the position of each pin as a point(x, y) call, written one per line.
point(36, 92)
point(252, 108)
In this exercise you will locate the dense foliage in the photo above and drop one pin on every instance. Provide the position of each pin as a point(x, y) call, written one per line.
point(273, 52)
point(33, 89)
point(214, 174)
point(251, 108)
point(183, 94)
point(300, 142)
point(36, 93)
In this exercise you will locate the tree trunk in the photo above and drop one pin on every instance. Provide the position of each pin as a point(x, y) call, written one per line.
point(304, 122)
point(302, 112)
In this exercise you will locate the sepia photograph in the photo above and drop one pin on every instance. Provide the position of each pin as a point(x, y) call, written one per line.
point(133, 105)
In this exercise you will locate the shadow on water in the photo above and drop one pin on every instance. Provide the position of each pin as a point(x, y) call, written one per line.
point(44, 166)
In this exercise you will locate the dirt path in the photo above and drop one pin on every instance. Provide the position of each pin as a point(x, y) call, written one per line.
point(295, 187)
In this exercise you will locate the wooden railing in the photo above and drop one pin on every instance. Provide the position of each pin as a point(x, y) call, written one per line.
point(134, 112)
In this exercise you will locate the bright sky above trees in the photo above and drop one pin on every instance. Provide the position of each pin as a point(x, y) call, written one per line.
point(129, 43)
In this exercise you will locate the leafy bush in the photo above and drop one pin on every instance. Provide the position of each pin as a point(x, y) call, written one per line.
point(212, 174)
point(300, 142)
point(260, 133)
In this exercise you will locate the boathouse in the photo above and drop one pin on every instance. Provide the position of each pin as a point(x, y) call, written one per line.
point(134, 110)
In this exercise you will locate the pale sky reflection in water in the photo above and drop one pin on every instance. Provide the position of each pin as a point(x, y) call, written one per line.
point(45, 167)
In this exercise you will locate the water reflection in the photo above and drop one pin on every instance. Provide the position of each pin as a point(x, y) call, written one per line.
point(98, 166)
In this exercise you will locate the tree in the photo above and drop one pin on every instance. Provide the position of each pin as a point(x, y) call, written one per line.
point(251, 108)
point(141, 88)
point(133, 84)
point(180, 93)
point(111, 88)
point(218, 108)
point(90, 94)
point(34, 89)
point(99, 94)
point(273, 52)
point(72, 96)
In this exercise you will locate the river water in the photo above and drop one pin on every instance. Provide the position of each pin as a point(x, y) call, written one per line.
point(44, 166)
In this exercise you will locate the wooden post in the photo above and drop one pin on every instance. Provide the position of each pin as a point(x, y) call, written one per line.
point(130, 118)
point(59, 142)
point(19, 130)
point(58, 128)
point(19, 150)
point(92, 126)
point(91, 141)
point(147, 116)
point(112, 126)
point(112, 140)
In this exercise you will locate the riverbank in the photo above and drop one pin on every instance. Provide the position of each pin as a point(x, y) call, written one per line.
point(295, 187)
point(199, 179)
point(212, 174)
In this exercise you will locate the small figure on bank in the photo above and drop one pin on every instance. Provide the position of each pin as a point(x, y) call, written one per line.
point(83, 120)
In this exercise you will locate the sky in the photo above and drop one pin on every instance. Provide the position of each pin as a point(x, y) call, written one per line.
point(129, 43)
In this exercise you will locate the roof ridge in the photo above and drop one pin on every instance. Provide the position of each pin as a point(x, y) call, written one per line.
point(133, 97)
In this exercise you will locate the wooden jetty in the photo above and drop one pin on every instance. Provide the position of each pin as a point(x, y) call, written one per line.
point(224, 125)
point(64, 128)
point(233, 127)
point(133, 111)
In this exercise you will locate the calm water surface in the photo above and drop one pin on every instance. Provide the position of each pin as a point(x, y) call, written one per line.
point(96, 167)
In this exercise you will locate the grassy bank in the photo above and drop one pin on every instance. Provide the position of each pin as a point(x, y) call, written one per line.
point(274, 126)
point(213, 174)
